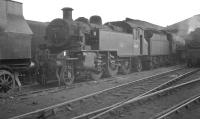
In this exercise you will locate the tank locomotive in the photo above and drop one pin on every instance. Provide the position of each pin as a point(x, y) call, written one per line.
point(86, 48)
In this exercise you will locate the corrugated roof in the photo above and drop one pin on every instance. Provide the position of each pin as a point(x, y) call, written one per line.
point(142, 24)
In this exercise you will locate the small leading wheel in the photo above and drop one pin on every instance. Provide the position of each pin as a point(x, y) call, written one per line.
point(126, 67)
point(67, 75)
point(6, 81)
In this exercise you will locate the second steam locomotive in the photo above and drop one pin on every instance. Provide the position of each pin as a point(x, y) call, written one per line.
point(193, 48)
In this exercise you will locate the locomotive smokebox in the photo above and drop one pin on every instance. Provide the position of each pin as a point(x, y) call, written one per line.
point(67, 13)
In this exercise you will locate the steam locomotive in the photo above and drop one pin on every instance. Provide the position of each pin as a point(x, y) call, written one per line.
point(193, 48)
point(70, 50)
point(86, 48)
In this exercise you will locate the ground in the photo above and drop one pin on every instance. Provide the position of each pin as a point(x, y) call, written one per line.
point(13, 106)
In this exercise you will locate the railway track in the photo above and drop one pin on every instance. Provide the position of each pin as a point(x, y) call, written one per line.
point(104, 98)
point(188, 109)
point(12, 106)
point(173, 82)
point(37, 91)
point(148, 106)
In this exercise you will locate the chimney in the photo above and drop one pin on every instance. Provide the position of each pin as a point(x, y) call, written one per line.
point(67, 13)
point(14, 8)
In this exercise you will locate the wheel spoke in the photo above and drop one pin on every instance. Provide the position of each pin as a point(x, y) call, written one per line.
point(8, 77)
point(6, 81)
point(1, 80)
point(10, 82)
point(9, 86)
point(4, 76)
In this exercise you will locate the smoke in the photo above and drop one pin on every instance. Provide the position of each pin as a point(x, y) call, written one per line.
point(194, 35)
point(179, 41)
point(179, 35)
point(185, 28)
point(183, 31)
point(193, 23)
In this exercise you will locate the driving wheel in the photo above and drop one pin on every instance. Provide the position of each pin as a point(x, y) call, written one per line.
point(67, 75)
point(6, 81)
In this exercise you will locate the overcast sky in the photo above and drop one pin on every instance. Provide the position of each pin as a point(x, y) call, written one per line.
point(160, 12)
